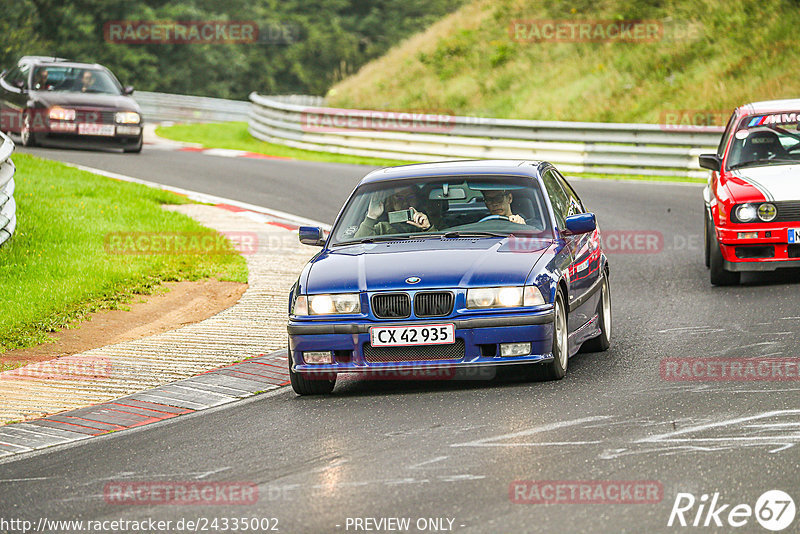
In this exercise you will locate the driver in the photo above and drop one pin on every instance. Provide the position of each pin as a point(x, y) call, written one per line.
point(87, 81)
point(41, 80)
point(402, 199)
point(499, 203)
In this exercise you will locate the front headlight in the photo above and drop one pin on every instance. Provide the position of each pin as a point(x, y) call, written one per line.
point(503, 297)
point(746, 213)
point(767, 212)
point(342, 303)
point(58, 113)
point(127, 117)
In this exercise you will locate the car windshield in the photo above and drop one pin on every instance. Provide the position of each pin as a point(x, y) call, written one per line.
point(74, 79)
point(481, 206)
point(772, 139)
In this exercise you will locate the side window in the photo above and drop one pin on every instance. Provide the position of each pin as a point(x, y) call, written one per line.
point(575, 204)
point(12, 76)
point(726, 135)
point(558, 198)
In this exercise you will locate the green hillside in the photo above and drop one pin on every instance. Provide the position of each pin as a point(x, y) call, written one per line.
point(709, 55)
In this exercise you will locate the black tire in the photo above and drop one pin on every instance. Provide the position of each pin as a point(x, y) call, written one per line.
point(719, 276)
point(557, 368)
point(318, 385)
point(707, 238)
point(25, 132)
point(604, 315)
point(135, 149)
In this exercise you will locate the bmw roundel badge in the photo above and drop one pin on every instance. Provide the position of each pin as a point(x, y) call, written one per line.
point(413, 279)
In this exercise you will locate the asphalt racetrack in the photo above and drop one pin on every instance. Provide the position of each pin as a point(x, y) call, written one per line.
point(456, 451)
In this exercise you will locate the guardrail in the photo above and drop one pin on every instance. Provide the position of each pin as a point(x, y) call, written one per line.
point(576, 147)
point(8, 207)
point(161, 107)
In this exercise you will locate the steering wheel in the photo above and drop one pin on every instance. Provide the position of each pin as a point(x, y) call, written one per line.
point(492, 217)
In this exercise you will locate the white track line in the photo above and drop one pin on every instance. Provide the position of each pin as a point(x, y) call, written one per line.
point(209, 199)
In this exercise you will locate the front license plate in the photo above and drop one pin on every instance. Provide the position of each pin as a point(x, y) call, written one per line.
point(96, 129)
point(794, 235)
point(403, 336)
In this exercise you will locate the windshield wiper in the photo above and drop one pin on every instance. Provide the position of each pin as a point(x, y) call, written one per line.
point(374, 239)
point(761, 160)
point(472, 233)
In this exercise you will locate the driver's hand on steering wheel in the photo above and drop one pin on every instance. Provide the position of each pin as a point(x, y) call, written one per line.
point(420, 220)
point(516, 219)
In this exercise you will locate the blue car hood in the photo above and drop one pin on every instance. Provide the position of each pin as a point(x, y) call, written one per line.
point(439, 263)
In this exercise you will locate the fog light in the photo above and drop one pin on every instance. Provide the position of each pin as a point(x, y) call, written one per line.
point(318, 357)
point(748, 235)
point(128, 130)
point(515, 349)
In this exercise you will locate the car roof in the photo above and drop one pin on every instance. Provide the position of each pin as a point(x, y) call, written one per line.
point(50, 61)
point(767, 106)
point(72, 64)
point(451, 168)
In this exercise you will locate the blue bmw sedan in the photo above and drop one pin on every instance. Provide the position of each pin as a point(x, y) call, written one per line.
point(451, 265)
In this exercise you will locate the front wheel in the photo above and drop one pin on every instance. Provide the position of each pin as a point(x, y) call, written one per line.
point(719, 276)
point(603, 341)
point(136, 148)
point(557, 368)
point(306, 384)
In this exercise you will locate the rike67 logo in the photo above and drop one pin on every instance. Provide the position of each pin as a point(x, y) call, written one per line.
point(774, 510)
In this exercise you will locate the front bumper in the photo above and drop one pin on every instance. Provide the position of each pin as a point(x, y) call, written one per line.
point(66, 133)
point(769, 251)
point(480, 336)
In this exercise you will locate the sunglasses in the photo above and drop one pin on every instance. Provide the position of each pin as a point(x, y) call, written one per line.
point(494, 199)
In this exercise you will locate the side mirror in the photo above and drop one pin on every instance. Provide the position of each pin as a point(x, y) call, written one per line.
point(710, 162)
point(311, 235)
point(19, 84)
point(127, 90)
point(582, 223)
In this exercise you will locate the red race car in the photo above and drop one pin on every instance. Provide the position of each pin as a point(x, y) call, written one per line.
point(752, 215)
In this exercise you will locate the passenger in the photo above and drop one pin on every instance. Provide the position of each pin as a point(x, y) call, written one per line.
point(499, 203)
point(402, 199)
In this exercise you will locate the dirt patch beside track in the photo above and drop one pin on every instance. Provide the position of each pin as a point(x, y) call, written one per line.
point(183, 303)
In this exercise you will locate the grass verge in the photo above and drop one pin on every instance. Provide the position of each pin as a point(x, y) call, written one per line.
point(490, 59)
point(56, 270)
point(234, 135)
